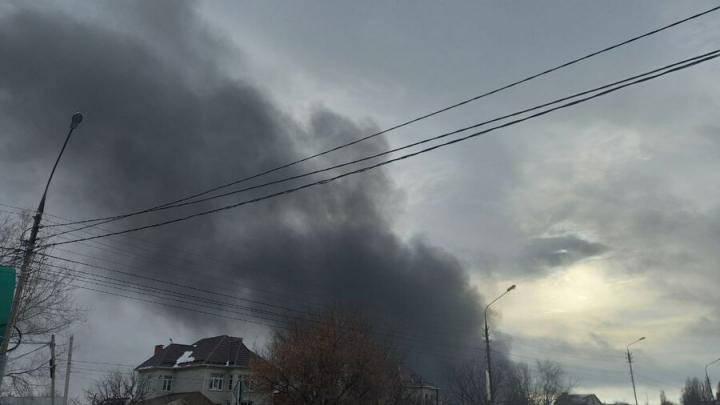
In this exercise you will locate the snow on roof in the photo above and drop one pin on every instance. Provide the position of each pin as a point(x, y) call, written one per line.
point(185, 358)
point(220, 350)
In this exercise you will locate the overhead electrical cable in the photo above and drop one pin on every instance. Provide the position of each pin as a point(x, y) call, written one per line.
point(449, 351)
point(386, 152)
point(642, 78)
point(306, 298)
point(211, 304)
point(169, 282)
point(222, 312)
point(147, 252)
point(406, 123)
point(304, 315)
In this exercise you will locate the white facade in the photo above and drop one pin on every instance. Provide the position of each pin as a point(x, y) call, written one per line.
point(217, 383)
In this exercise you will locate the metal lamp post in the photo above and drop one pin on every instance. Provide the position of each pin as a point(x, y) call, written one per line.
point(29, 250)
point(491, 397)
point(632, 376)
point(707, 376)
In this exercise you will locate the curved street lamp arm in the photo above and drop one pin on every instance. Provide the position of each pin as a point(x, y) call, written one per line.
point(710, 364)
point(641, 339)
point(512, 287)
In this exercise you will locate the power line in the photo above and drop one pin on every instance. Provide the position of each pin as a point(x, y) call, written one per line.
point(27, 353)
point(690, 62)
point(449, 353)
point(203, 259)
point(297, 299)
point(145, 278)
point(384, 153)
point(303, 307)
point(244, 311)
point(100, 363)
point(225, 316)
point(180, 285)
point(185, 299)
point(178, 296)
point(414, 120)
point(377, 155)
point(301, 299)
point(449, 350)
point(454, 355)
point(206, 302)
point(168, 282)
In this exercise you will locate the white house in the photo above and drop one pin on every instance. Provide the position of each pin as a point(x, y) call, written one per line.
point(216, 367)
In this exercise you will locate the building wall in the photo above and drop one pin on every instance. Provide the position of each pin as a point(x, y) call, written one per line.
point(30, 400)
point(189, 379)
point(421, 395)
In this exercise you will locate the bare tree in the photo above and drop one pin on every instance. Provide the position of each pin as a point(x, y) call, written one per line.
point(515, 383)
point(664, 400)
point(467, 383)
point(550, 381)
point(468, 380)
point(331, 360)
point(695, 392)
point(118, 388)
point(46, 307)
point(520, 390)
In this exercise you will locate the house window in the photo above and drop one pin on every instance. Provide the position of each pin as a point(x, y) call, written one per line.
point(166, 382)
point(216, 382)
point(230, 382)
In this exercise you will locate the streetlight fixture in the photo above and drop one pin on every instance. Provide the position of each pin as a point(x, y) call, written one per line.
point(490, 395)
point(707, 376)
point(632, 376)
point(29, 250)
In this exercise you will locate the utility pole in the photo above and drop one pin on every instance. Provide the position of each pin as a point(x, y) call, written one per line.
point(28, 254)
point(632, 376)
point(52, 370)
point(488, 372)
point(707, 380)
point(707, 377)
point(67, 371)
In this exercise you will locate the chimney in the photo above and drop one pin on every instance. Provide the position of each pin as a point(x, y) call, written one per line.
point(158, 349)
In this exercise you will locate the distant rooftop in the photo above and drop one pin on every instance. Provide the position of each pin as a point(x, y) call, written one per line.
point(217, 351)
point(577, 399)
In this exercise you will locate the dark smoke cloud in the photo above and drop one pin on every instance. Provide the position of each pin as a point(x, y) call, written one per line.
point(162, 121)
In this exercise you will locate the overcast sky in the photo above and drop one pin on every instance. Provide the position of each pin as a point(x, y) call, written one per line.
point(606, 215)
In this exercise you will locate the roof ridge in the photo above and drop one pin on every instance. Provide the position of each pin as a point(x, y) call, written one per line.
point(241, 347)
point(209, 356)
point(237, 352)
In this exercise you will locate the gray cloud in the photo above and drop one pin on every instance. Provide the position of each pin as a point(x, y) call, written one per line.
point(631, 178)
point(553, 251)
point(161, 121)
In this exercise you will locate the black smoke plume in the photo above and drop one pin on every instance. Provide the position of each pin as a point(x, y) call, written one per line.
point(164, 120)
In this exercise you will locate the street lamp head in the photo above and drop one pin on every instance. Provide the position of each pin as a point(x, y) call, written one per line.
point(639, 340)
point(512, 287)
point(76, 120)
